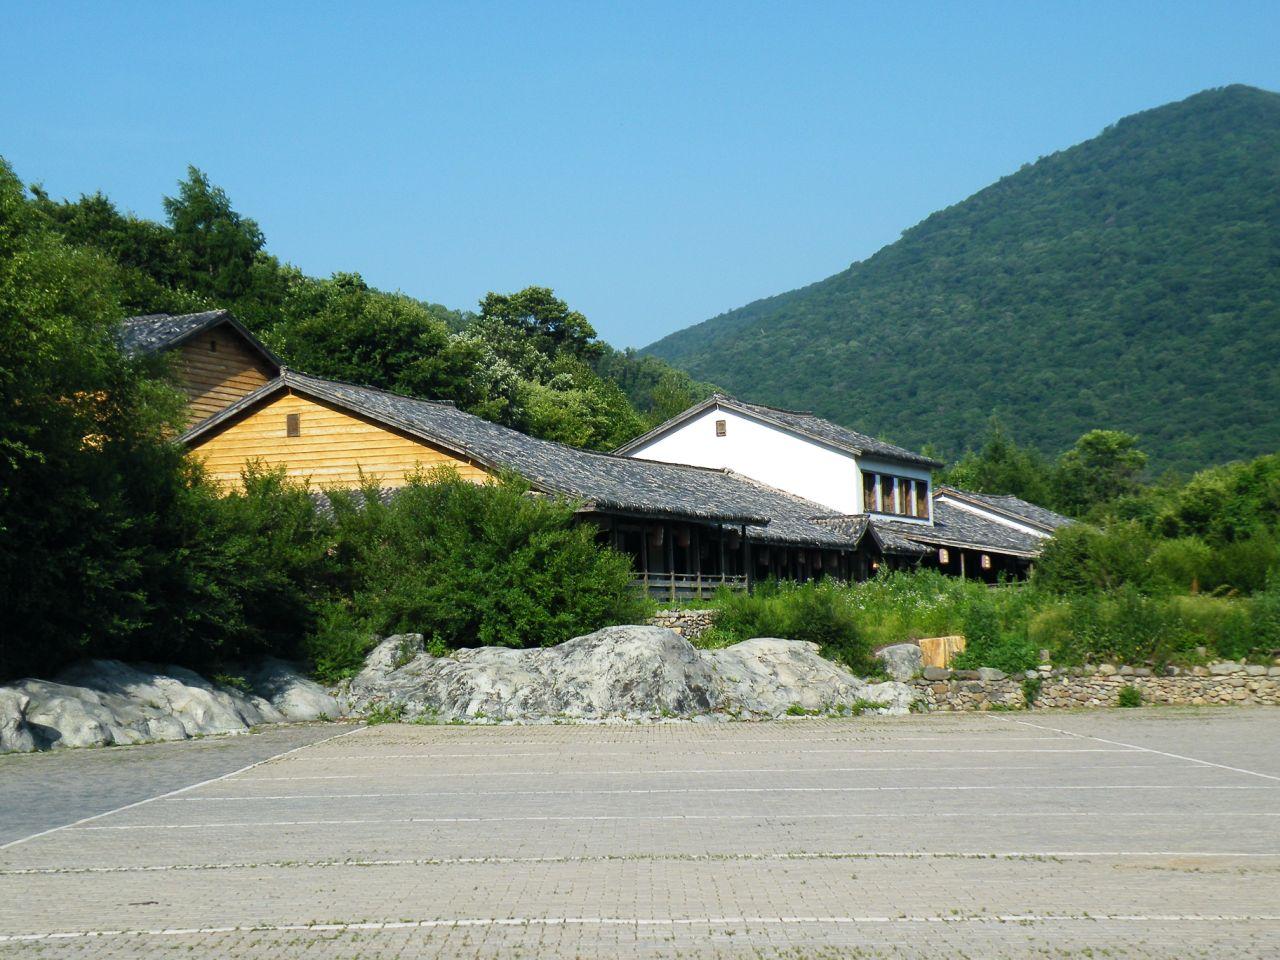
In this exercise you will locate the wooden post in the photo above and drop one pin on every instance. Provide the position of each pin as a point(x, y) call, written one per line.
point(668, 539)
point(961, 564)
point(720, 532)
point(746, 559)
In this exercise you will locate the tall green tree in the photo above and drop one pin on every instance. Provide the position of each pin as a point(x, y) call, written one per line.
point(216, 246)
point(1001, 466)
point(1103, 466)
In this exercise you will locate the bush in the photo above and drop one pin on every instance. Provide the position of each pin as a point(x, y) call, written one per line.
point(1130, 696)
point(819, 612)
point(1081, 559)
point(466, 565)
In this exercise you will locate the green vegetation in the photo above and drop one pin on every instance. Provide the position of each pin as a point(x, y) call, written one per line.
point(466, 565)
point(818, 612)
point(1128, 282)
point(524, 359)
point(1006, 627)
point(1031, 687)
point(113, 545)
point(1130, 696)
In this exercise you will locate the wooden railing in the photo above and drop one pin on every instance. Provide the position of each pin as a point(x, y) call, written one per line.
point(687, 586)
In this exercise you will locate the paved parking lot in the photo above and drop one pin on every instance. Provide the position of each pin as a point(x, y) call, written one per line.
point(1149, 833)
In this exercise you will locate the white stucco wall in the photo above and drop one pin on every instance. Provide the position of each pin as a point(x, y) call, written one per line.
point(764, 453)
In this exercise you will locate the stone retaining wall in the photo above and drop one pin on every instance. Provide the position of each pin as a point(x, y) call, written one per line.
point(688, 623)
point(1100, 686)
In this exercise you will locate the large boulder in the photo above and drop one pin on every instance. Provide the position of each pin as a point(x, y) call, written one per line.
point(902, 661)
point(289, 691)
point(15, 735)
point(101, 702)
point(629, 672)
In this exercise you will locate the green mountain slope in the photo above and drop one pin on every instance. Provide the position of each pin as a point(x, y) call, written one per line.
point(1129, 282)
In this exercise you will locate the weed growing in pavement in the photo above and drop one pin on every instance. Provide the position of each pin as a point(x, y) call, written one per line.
point(385, 713)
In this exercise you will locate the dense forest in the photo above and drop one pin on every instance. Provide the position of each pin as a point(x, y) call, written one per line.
point(524, 359)
point(1131, 282)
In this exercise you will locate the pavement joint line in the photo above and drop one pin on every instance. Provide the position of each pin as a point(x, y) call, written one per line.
point(562, 753)
point(79, 824)
point(1134, 746)
point(458, 922)
point(1002, 815)
point(658, 791)
point(642, 857)
point(707, 770)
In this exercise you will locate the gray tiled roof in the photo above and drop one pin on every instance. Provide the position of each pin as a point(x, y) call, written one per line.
point(1014, 507)
point(806, 424)
point(602, 480)
point(156, 331)
point(953, 527)
point(815, 426)
point(153, 332)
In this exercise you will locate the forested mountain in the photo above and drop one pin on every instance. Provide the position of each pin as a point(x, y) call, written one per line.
point(1130, 282)
point(524, 359)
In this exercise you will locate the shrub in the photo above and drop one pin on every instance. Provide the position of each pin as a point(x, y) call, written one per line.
point(1081, 558)
point(1031, 690)
point(1130, 696)
point(467, 565)
point(818, 612)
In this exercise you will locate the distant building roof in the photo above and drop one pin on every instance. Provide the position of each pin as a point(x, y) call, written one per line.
point(601, 480)
point(797, 421)
point(153, 332)
point(1009, 506)
point(953, 527)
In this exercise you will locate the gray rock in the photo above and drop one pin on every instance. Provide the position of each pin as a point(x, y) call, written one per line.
point(1224, 668)
point(294, 696)
point(1106, 670)
point(902, 661)
point(1273, 671)
point(936, 673)
point(1126, 671)
point(1142, 671)
point(965, 674)
point(630, 672)
point(1254, 670)
point(15, 735)
point(991, 673)
point(100, 702)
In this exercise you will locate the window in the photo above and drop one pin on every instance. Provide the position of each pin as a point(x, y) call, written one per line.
point(900, 496)
point(293, 425)
point(722, 428)
point(922, 499)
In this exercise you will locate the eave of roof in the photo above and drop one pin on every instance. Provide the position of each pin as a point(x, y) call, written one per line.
point(838, 437)
point(507, 449)
point(1010, 507)
point(156, 332)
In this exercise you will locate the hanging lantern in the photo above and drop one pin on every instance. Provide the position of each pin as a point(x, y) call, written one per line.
point(986, 561)
point(944, 556)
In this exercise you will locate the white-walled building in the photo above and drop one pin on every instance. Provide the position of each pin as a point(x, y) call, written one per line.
point(866, 484)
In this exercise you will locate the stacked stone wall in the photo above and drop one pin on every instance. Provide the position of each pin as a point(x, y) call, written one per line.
point(1100, 686)
point(688, 623)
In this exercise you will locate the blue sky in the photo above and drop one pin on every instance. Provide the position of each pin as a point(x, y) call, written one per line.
point(655, 163)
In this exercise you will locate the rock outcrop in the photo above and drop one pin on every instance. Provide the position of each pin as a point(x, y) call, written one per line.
point(902, 661)
point(15, 735)
point(101, 702)
point(629, 672)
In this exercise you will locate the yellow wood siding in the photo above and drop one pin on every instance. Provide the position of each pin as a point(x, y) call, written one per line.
point(331, 448)
point(216, 368)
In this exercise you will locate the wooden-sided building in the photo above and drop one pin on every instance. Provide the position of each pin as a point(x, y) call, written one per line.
point(688, 529)
point(216, 360)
